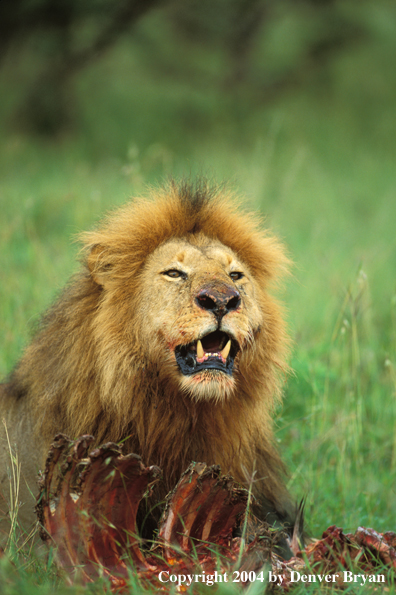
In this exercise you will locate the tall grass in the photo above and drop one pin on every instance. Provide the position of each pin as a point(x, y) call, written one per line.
point(320, 166)
point(337, 427)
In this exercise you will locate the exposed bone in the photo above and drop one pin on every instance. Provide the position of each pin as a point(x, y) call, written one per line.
point(203, 507)
point(88, 504)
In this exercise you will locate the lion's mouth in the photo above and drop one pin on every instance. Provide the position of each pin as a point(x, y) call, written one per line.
point(215, 351)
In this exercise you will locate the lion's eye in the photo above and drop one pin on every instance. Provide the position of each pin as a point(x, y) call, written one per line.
point(235, 275)
point(173, 273)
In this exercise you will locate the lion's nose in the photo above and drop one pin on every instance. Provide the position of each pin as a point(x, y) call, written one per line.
point(219, 301)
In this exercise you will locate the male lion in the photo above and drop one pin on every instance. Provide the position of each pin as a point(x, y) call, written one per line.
point(167, 340)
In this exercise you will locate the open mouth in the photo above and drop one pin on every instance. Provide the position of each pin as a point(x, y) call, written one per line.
point(215, 351)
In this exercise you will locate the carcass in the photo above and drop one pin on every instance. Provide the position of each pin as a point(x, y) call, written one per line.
point(88, 504)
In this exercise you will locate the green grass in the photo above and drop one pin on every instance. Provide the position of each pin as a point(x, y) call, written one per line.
point(320, 166)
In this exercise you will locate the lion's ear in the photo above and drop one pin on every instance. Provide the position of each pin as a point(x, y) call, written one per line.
point(98, 265)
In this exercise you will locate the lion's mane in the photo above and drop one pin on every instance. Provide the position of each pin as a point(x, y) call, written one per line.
point(87, 371)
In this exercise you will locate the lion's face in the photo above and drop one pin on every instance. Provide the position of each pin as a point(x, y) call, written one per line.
point(200, 314)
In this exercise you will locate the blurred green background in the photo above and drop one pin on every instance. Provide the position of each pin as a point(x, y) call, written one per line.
point(291, 101)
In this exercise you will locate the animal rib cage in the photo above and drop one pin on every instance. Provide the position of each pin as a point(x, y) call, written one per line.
point(88, 505)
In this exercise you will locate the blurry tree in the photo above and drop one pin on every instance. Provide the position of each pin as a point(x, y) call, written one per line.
point(321, 29)
point(69, 34)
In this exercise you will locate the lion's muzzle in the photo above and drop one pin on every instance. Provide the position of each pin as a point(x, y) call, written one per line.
point(220, 300)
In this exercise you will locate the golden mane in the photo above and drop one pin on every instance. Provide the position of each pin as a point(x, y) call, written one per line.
point(138, 228)
point(88, 371)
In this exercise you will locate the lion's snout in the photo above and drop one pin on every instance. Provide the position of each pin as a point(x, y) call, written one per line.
point(219, 300)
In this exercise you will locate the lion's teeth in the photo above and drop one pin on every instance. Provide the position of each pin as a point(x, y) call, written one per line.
point(200, 351)
point(226, 350)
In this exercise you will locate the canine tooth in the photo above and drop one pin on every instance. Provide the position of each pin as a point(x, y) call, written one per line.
point(226, 350)
point(200, 351)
